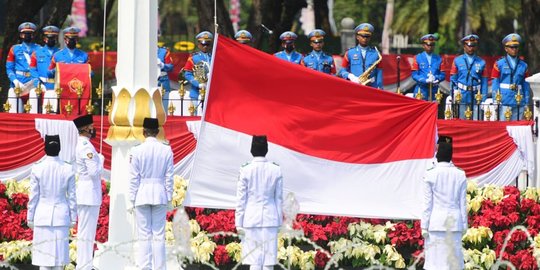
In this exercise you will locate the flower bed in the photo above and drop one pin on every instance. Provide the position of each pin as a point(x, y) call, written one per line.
point(504, 225)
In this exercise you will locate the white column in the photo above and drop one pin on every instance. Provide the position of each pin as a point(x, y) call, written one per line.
point(136, 96)
point(534, 81)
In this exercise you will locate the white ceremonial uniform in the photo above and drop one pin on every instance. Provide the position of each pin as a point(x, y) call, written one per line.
point(52, 209)
point(150, 190)
point(89, 168)
point(259, 211)
point(445, 214)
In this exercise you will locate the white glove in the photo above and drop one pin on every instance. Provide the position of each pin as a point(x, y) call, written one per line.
point(101, 159)
point(436, 82)
point(241, 233)
point(72, 224)
point(202, 85)
point(425, 234)
point(131, 208)
point(17, 83)
point(353, 78)
point(30, 224)
point(372, 80)
point(160, 64)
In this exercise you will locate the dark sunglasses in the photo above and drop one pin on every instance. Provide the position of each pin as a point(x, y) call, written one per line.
point(205, 44)
point(512, 47)
point(365, 36)
point(429, 44)
point(317, 42)
point(470, 45)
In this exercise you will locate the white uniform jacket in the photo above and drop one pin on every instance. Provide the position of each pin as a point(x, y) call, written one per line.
point(445, 188)
point(151, 170)
point(52, 193)
point(89, 168)
point(259, 195)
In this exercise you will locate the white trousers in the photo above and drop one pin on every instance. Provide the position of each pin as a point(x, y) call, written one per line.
point(51, 267)
point(260, 267)
point(86, 235)
point(151, 229)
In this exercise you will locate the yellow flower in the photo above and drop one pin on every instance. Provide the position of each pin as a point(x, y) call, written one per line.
point(202, 247)
point(379, 234)
point(472, 186)
point(13, 186)
point(169, 235)
point(234, 250)
point(73, 250)
point(494, 193)
point(179, 190)
point(477, 235)
point(16, 251)
point(531, 193)
point(488, 257)
point(475, 204)
point(194, 227)
point(307, 260)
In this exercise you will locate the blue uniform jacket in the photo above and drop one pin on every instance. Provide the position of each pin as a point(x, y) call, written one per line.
point(165, 57)
point(41, 60)
point(475, 76)
point(293, 57)
point(354, 63)
point(18, 62)
point(503, 76)
point(63, 56)
point(193, 60)
point(320, 61)
point(421, 68)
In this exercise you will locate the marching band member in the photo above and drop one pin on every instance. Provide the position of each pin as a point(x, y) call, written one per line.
point(289, 53)
point(509, 75)
point(361, 58)
point(318, 59)
point(426, 69)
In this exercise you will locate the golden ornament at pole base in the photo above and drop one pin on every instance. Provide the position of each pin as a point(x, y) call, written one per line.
point(488, 114)
point(121, 128)
point(7, 106)
point(68, 107)
point(468, 113)
point(48, 107)
point(527, 113)
point(419, 95)
point(27, 107)
point(438, 96)
point(508, 114)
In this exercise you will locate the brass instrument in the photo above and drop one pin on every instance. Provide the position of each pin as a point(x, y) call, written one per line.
point(364, 78)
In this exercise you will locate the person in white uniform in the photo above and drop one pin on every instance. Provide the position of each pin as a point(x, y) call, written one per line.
point(89, 169)
point(51, 208)
point(150, 192)
point(444, 217)
point(259, 211)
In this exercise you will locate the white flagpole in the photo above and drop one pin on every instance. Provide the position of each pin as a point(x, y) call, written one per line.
point(215, 17)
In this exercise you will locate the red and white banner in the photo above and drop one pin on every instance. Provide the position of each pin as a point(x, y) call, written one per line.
point(358, 152)
point(72, 78)
point(491, 152)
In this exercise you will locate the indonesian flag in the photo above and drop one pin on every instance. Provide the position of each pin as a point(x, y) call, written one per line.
point(344, 149)
point(72, 78)
point(492, 153)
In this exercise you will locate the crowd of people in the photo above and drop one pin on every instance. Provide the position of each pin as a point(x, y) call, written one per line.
point(29, 64)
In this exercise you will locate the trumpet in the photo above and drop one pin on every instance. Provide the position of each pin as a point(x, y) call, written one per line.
point(364, 78)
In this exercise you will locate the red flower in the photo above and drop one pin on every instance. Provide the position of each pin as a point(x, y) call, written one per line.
point(524, 259)
point(19, 199)
point(4, 205)
point(221, 256)
point(321, 259)
point(3, 190)
point(511, 190)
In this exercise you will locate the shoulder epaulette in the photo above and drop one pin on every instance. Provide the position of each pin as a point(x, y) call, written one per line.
point(431, 168)
point(275, 163)
point(165, 142)
point(245, 164)
point(67, 162)
point(85, 143)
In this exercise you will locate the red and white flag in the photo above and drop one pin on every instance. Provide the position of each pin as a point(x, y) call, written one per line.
point(344, 149)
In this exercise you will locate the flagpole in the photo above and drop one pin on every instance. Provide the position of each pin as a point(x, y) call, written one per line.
point(215, 17)
point(103, 76)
